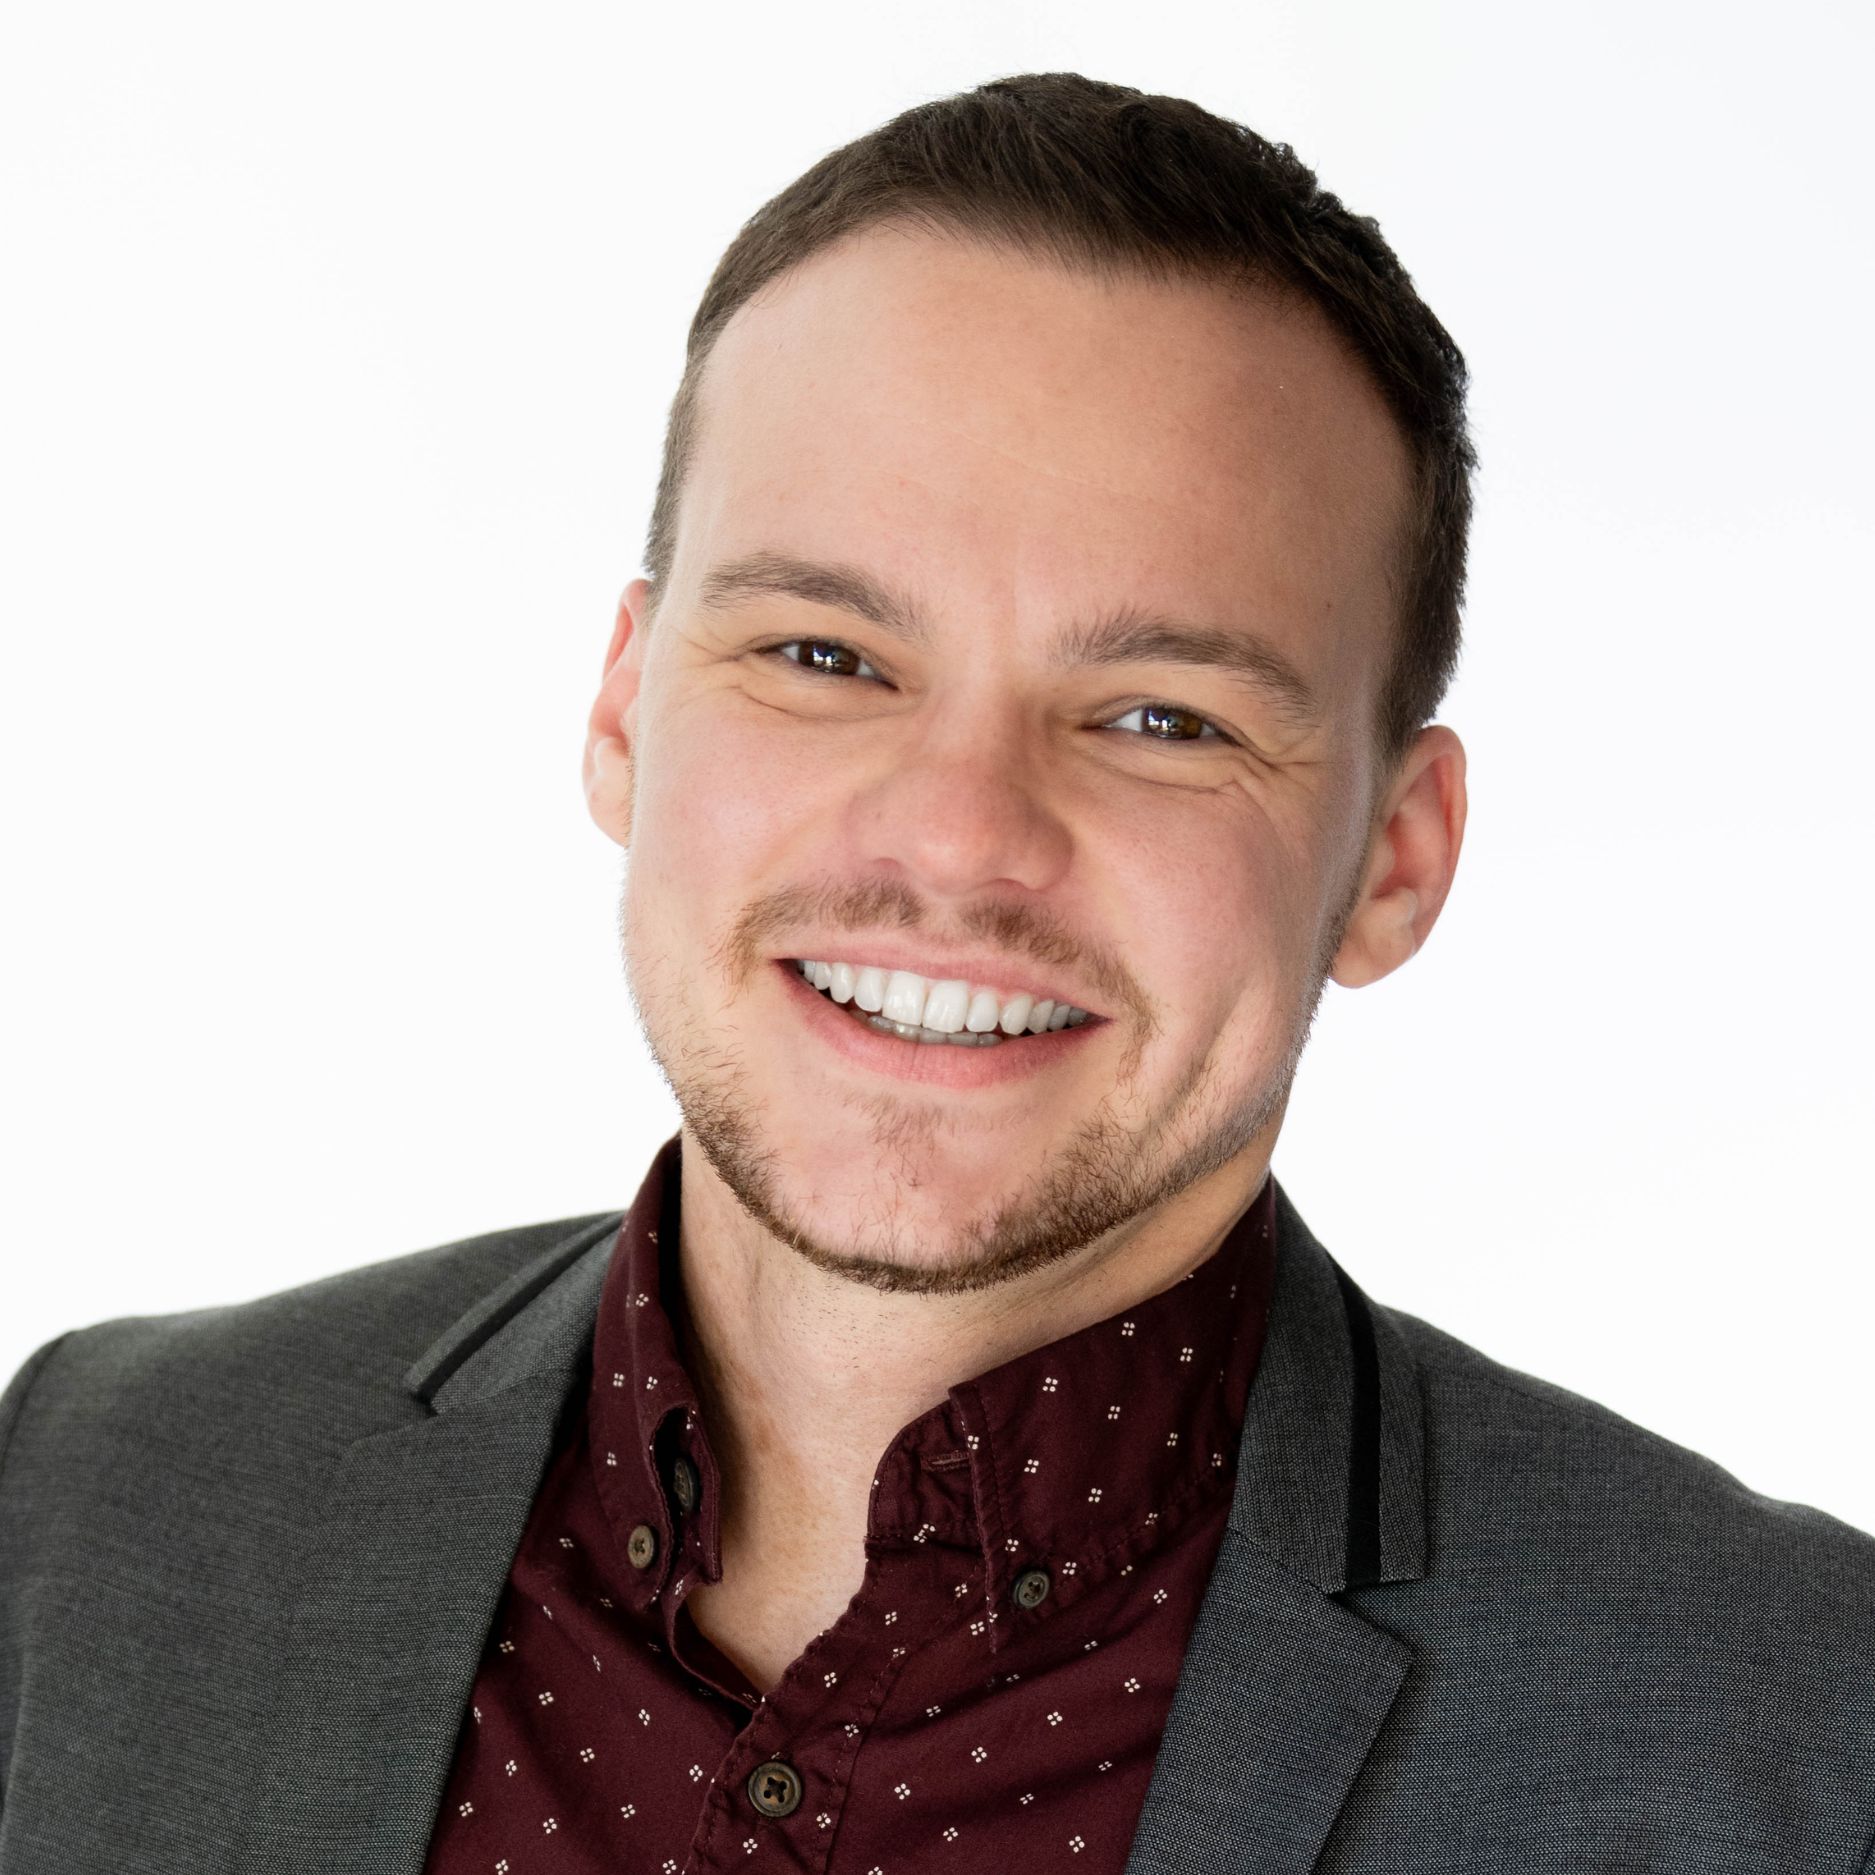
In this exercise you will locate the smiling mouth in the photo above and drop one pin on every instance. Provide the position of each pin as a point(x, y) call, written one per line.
point(1017, 1019)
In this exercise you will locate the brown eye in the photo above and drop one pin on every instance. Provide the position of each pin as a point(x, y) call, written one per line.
point(1166, 722)
point(826, 657)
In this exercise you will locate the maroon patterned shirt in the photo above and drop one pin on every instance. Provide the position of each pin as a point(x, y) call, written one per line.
point(1036, 1552)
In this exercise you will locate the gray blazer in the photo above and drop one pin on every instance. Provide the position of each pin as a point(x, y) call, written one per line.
point(1462, 1620)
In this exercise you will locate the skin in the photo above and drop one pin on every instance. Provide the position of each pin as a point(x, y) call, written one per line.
point(1018, 449)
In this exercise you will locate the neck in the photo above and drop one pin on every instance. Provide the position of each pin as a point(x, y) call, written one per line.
point(805, 1377)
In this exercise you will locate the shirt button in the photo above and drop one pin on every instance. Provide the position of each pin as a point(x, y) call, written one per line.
point(642, 1546)
point(775, 1788)
point(1032, 1587)
point(684, 1484)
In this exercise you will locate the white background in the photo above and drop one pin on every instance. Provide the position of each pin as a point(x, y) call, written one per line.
point(337, 343)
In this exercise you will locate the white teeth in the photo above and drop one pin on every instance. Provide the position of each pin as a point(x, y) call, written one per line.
point(946, 1004)
point(981, 1016)
point(952, 1007)
point(904, 998)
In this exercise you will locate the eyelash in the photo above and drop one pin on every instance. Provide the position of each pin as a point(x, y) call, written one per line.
point(1171, 742)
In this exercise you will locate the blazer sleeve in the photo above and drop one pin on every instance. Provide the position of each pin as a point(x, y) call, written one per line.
point(13, 1524)
point(13, 1400)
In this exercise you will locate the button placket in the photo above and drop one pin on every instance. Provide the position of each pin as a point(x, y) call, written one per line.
point(810, 1723)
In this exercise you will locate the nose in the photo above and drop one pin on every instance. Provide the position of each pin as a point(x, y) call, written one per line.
point(961, 808)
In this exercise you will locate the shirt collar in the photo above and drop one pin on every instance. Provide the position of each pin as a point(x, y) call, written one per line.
point(1079, 1455)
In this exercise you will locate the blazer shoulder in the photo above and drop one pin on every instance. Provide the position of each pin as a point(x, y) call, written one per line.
point(390, 1309)
point(283, 1377)
point(1614, 1623)
point(1520, 1468)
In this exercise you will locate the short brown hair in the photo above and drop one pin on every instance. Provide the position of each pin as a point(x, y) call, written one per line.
point(1104, 178)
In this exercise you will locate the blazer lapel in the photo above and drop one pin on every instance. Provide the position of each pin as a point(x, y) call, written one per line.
point(1284, 1687)
point(417, 1533)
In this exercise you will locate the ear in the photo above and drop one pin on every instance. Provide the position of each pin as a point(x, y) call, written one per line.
point(611, 728)
point(1412, 854)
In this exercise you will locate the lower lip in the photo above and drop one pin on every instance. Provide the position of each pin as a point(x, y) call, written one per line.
point(932, 1064)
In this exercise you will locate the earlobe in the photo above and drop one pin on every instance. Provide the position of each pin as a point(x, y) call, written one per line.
point(608, 778)
point(607, 767)
point(1408, 872)
point(1380, 937)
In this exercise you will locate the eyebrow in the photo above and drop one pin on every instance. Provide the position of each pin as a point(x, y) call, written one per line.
point(1126, 636)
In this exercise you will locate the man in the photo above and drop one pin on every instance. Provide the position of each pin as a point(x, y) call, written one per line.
point(960, 1450)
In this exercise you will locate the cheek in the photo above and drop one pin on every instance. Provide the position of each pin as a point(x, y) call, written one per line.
point(714, 795)
point(1217, 906)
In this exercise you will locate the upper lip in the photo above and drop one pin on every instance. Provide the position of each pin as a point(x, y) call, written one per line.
point(1009, 976)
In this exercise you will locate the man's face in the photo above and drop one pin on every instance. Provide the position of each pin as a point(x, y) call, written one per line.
point(867, 727)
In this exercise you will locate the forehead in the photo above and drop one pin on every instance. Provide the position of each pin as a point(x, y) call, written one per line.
point(1000, 433)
